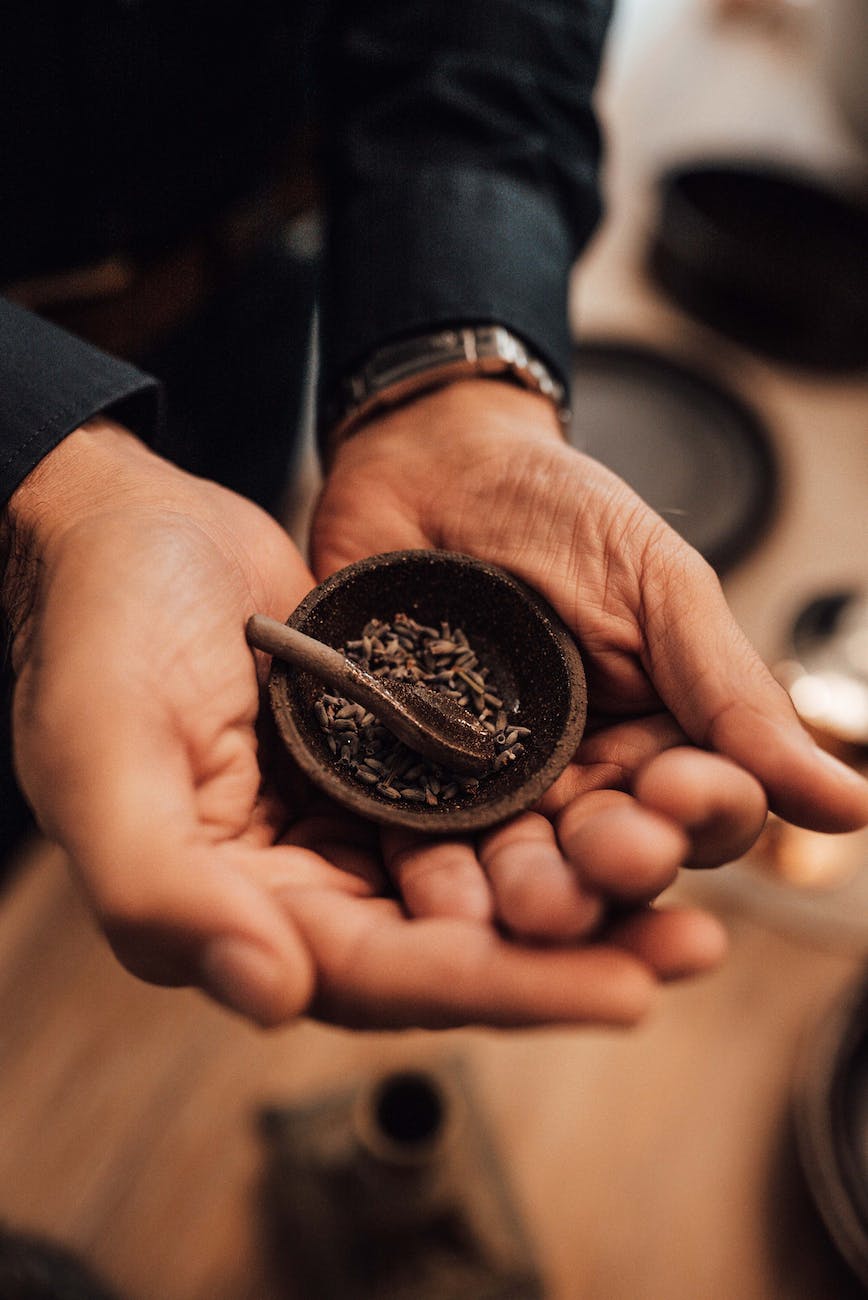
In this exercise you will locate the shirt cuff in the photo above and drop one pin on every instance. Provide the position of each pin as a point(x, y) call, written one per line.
point(51, 382)
point(455, 246)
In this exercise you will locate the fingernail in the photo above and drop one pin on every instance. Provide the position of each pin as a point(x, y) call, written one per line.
point(842, 771)
point(243, 977)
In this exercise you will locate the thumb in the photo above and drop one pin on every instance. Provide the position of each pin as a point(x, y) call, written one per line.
point(724, 697)
point(178, 905)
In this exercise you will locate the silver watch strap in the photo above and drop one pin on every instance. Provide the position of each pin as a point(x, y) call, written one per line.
point(405, 368)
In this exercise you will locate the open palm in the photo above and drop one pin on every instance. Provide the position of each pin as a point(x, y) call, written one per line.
point(689, 736)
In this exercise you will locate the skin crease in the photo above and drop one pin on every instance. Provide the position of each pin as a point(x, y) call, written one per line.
point(137, 743)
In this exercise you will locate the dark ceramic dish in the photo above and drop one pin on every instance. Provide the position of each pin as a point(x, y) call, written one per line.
point(531, 656)
point(832, 1126)
point(773, 258)
point(691, 448)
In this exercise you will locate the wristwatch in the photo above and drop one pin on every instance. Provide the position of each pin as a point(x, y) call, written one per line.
point(402, 370)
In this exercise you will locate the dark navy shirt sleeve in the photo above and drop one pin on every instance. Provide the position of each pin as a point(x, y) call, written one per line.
point(52, 383)
point(462, 156)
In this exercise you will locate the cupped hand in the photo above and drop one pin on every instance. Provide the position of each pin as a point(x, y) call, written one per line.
point(689, 735)
point(135, 732)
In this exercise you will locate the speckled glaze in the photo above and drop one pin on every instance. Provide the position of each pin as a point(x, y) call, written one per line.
point(532, 657)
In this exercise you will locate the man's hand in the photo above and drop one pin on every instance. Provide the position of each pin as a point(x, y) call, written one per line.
point(689, 734)
point(129, 584)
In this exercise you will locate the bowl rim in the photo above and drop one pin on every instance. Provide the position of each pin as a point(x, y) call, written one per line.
point(475, 817)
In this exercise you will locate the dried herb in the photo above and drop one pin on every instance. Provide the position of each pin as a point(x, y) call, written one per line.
point(441, 658)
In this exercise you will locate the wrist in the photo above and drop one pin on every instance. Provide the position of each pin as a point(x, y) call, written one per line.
point(72, 478)
point(463, 412)
point(400, 372)
point(77, 478)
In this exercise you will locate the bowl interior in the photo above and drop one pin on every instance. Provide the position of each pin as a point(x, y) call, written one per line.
point(533, 661)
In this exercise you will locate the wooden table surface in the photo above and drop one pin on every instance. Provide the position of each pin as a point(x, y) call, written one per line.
point(651, 1165)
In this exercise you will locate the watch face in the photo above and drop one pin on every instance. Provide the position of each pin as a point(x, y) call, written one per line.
point(695, 452)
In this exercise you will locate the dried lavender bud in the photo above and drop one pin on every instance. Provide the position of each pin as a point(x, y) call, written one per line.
point(440, 658)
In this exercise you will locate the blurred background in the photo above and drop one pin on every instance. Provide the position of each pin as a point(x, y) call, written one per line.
point(721, 1150)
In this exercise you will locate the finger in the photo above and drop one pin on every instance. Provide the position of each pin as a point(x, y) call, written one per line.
point(439, 972)
point(344, 840)
point(609, 758)
point(437, 877)
point(726, 699)
point(210, 926)
point(720, 806)
point(619, 848)
point(673, 942)
point(537, 895)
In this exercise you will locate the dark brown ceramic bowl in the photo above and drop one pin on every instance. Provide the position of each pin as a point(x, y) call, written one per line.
point(770, 256)
point(531, 656)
